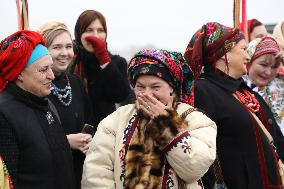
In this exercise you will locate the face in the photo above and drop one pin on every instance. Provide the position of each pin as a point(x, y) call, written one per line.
point(61, 50)
point(263, 69)
point(94, 29)
point(155, 87)
point(258, 32)
point(238, 58)
point(37, 77)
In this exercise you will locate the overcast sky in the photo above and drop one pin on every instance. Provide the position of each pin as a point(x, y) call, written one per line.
point(167, 24)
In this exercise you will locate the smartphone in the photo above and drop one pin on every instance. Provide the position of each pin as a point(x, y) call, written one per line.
point(88, 129)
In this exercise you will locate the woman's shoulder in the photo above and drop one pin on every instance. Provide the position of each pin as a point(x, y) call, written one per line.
point(118, 59)
point(123, 111)
point(195, 117)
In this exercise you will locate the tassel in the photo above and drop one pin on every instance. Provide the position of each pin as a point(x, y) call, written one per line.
point(23, 16)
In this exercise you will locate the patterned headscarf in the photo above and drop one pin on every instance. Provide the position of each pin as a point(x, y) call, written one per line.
point(15, 52)
point(166, 65)
point(50, 30)
point(209, 44)
point(251, 24)
point(262, 46)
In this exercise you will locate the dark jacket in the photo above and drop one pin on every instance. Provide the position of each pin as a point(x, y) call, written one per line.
point(237, 144)
point(74, 116)
point(105, 86)
point(32, 142)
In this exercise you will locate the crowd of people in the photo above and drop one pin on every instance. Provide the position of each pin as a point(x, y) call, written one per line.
point(210, 117)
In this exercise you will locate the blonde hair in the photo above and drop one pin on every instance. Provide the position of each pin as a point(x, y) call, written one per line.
point(279, 35)
point(51, 30)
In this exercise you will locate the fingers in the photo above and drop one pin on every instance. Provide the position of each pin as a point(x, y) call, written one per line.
point(84, 149)
point(150, 105)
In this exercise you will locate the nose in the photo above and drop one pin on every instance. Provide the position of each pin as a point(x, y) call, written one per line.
point(50, 74)
point(268, 71)
point(63, 51)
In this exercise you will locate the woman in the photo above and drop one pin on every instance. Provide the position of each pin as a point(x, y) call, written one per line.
point(32, 141)
point(256, 29)
point(246, 158)
point(262, 71)
point(104, 74)
point(149, 144)
point(67, 93)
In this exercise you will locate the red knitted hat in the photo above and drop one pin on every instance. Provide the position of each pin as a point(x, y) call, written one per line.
point(15, 52)
point(262, 46)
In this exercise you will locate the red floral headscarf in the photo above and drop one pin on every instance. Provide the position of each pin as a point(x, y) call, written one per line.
point(15, 52)
point(209, 44)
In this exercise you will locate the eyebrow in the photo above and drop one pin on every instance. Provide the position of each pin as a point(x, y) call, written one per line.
point(156, 83)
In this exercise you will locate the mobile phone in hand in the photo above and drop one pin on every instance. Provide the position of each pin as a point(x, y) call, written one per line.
point(88, 129)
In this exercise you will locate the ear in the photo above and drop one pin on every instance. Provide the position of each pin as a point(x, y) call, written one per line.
point(172, 92)
point(20, 77)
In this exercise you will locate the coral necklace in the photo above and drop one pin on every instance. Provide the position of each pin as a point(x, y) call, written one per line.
point(248, 100)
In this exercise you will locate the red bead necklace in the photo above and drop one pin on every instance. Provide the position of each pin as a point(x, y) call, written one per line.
point(248, 100)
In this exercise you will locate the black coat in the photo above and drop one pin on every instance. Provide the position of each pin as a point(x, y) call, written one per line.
point(34, 148)
point(105, 86)
point(74, 116)
point(236, 138)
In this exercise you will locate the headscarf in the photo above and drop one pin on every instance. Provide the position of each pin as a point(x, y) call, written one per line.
point(84, 20)
point(52, 29)
point(251, 24)
point(262, 46)
point(169, 66)
point(209, 44)
point(15, 52)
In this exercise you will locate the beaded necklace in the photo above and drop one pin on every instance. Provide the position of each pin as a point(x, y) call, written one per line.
point(64, 95)
point(248, 100)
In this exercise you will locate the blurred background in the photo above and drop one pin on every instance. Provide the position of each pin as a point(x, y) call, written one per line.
point(134, 24)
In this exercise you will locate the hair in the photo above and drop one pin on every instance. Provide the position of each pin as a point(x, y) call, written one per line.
point(84, 20)
point(254, 23)
point(282, 28)
point(51, 30)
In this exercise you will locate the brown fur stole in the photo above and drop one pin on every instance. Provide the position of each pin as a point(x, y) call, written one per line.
point(145, 160)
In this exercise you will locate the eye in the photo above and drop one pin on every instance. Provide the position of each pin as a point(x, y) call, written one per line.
point(69, 46)
point(156, 87)
point(89, 30)
point(101, 30)
point(43, 69)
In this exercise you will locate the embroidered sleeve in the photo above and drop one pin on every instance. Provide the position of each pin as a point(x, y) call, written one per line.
point(193, 151)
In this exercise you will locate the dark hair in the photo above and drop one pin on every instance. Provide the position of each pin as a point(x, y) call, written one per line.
point(254, 23)
point(84, 20)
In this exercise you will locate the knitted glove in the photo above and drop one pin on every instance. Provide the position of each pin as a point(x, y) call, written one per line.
point(99, 49)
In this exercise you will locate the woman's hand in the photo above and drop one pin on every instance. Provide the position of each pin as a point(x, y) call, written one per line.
point(100, 49)
point(79, 141)
point(151, 106)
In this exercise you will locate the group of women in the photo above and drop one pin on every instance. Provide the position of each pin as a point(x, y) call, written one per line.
point(57, 111)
